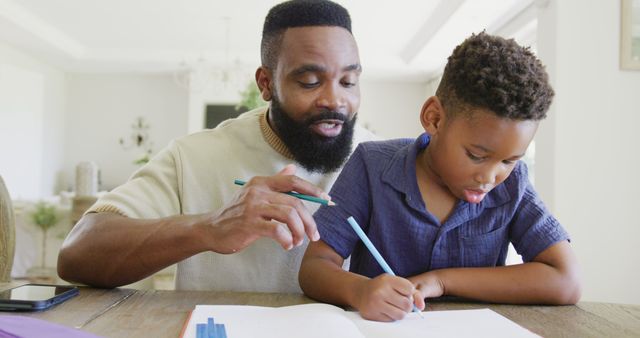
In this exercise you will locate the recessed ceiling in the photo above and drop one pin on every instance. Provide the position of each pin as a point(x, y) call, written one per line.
point(406, 40)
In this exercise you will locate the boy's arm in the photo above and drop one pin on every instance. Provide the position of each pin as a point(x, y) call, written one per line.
point(551, 278)
point(384, 298)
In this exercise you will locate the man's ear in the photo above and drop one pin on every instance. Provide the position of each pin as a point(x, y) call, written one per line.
point(432, 115)
point(264, 81)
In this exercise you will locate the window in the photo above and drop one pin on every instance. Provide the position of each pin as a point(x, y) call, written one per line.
point(214, 114)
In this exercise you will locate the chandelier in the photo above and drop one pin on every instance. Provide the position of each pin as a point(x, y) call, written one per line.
point(203, 74)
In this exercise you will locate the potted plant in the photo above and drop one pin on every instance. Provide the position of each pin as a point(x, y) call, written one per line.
point(250, 97)
point(44, 216)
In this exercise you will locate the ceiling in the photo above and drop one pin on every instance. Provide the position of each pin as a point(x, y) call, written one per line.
point(403, 39)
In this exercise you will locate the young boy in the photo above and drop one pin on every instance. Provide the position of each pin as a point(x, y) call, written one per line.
point(442, 209)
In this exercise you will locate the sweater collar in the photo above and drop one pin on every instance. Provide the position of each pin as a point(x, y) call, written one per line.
point(272, 138)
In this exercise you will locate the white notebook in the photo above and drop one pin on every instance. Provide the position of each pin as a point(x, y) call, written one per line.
point(324, 320)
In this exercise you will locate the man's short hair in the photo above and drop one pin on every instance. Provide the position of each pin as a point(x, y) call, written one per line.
point(497, 74)
point(298, 13)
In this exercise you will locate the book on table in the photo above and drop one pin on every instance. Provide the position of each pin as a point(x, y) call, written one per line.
point(324, 320)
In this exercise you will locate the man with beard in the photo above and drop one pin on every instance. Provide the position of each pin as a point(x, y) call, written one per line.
point(183, 206)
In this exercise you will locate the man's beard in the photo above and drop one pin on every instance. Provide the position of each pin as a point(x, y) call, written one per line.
point(314, 152)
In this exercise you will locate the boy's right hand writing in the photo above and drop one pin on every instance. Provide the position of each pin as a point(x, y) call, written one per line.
point(386, 298)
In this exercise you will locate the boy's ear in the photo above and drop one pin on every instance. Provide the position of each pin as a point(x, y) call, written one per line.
point(432, 115)
point(264, 82)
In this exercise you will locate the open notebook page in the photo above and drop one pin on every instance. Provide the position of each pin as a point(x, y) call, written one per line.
point(324, 320)
point(454, 323)
point(308, 320)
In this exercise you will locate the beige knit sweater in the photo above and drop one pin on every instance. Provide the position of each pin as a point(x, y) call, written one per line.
point(195, 174)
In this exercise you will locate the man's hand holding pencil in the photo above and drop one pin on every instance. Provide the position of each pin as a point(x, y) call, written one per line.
point(265, 207)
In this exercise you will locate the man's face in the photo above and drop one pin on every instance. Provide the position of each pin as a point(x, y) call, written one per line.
point(315, 95)
point(472, 155)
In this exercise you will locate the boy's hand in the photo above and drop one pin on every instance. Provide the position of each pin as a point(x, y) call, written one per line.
point(385, 298)
point(427, 285)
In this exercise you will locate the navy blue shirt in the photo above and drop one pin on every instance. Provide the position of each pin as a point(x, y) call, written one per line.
point(378, 187)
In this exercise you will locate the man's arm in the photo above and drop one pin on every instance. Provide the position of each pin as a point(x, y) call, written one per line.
point(109, 250)
point(551, 278)
point(384, 298)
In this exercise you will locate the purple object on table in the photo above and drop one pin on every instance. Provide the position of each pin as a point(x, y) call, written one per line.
point(26, 327)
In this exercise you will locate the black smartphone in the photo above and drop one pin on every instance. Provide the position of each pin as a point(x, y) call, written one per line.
point(35, 297)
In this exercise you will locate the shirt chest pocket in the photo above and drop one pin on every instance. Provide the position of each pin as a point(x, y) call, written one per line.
point(485, 249)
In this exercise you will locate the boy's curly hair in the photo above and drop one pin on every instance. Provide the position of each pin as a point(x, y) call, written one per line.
point(497, 74)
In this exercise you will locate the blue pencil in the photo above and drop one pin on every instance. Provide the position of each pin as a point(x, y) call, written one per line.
point(221, 332)
point(376, 254)
point(211, 328)
point(297, 195)
point(201, 330)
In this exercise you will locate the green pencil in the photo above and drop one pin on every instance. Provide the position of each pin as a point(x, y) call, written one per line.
point(298, 195)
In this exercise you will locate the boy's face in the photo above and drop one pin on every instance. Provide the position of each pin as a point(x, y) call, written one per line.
point(471, 154)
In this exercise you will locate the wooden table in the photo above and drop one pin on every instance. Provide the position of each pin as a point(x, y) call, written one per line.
point(150, 313)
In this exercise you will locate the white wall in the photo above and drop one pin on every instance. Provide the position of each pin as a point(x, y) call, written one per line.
point(587, 157)
point(32, 124)
point(102, 108)
point(392, 109)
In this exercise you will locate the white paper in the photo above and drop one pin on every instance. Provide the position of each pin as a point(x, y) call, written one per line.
point(324, 320)
point(308, 320)
point(454, 323)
